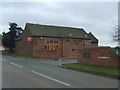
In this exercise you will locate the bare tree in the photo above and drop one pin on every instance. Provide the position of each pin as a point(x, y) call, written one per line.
point(116, 35)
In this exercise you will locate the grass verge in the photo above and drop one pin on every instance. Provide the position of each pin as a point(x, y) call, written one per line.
point(98, 70)
point(21, 55)
point(16, 55)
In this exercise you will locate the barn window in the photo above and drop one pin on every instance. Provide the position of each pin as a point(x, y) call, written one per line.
point(45, 47)
point(56, 47)
point(55, 41)
point(48, 47)
point(80, 40)
point(68, 40)
point(51, 41)
point(86, 55)
point(73, 49)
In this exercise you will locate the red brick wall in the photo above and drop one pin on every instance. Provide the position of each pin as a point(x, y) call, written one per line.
point(40, 51)
point(111, 60)
point(41, 42)
point(52, 54)
point(66, 47)
point(94, 44)
point(23, 46)
point(70, 46)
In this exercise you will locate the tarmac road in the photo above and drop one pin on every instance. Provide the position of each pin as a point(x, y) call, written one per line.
point(30, 73)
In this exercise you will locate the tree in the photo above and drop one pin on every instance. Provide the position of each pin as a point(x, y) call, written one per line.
point(5, 39)
point(9, 38)
point(116, 35)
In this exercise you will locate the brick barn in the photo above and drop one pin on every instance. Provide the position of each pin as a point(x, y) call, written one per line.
point(46, 41)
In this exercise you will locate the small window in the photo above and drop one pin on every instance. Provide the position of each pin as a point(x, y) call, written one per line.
point(73, 49)
point(87, 55)
point(56, 47)
point(45, 47)
point(48, 47)
point(47, 41)
point(51, 41)
point(84, 44)
point(80, 40)
point(68, 40)
point(55, 41)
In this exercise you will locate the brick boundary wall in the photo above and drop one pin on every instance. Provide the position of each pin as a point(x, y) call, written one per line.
point(102, 56)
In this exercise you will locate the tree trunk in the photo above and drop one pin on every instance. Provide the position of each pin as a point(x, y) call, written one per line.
point(11, 50)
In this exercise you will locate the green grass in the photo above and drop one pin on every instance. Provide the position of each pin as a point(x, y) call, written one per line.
point(110, 71)
point(16, 55)
point(21, 55)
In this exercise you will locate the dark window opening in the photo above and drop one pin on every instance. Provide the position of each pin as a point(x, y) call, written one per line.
point(57, 47)
point(48, 47)
point(80, 40)
point(55, 41)
point(87, 55)
point(68, 40)
point(73, 49)
point(51, 41)
point(45, 47)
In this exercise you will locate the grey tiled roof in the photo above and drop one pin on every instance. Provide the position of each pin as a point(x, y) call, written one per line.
point(92, 37)
point(57, 31)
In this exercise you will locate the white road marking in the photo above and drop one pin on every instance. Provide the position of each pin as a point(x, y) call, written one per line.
point(51, 78)
point(16, 65)
point(4, 60)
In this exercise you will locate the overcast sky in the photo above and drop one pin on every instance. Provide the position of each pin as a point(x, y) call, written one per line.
point(100, 18)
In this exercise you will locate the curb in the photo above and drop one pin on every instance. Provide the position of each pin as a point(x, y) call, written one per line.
point(60, 65)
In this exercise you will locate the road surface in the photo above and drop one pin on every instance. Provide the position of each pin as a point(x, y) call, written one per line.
point(28, 73)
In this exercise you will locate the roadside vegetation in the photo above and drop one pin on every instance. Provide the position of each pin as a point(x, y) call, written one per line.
point(6, 52)
point(98, 70)
point(9, 38)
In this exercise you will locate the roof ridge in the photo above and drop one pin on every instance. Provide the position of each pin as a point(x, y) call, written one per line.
point(57, 31)
point(57, 26)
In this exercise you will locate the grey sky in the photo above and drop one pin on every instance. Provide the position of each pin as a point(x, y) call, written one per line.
point(100, 18)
